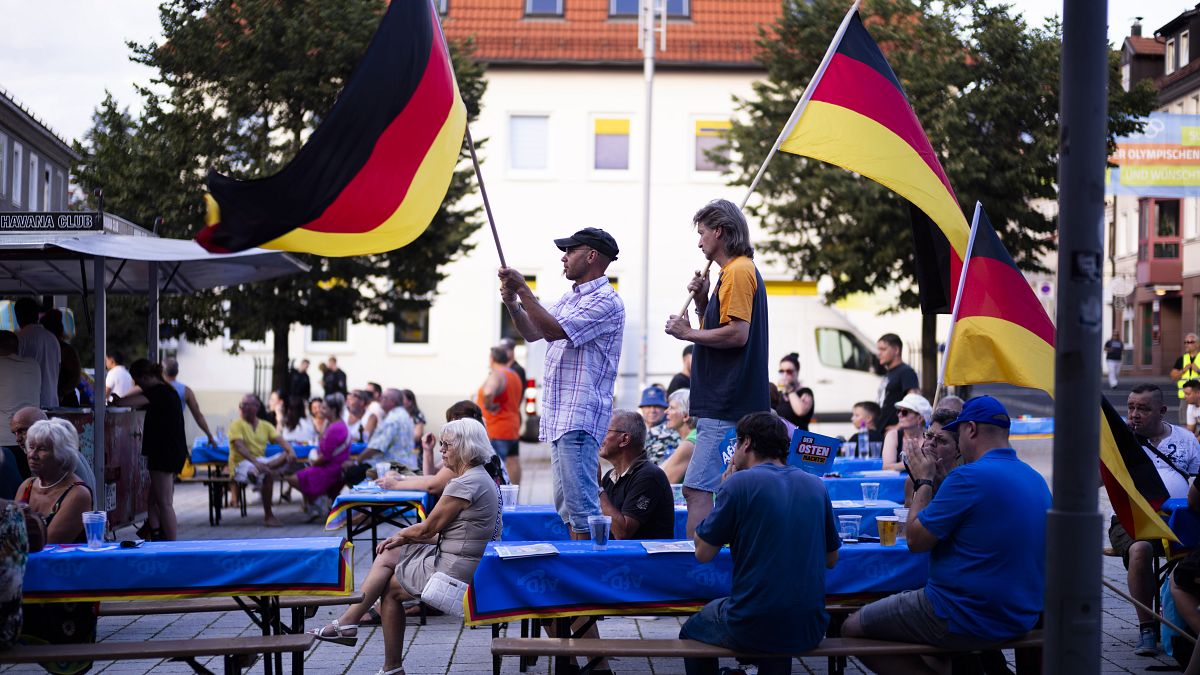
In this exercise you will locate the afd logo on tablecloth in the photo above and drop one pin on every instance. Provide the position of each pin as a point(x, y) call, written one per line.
point(622, 578)
point(708, 577)
point(538, 581)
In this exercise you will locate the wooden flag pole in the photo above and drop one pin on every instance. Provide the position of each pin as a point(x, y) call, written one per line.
point(791, 123)
point(487, 206)
point(962, 283)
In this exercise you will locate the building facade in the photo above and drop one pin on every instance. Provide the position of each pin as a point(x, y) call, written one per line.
point(35, 164)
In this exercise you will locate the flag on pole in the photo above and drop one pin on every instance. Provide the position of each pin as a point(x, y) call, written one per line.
point(1134, 487)
point(373, 174)
point(1001, 332)
point(859, 118)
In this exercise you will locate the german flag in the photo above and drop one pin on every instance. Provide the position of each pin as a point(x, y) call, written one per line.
point(859, 118)
point(373, 174)
point(1002, 333)
point(1134, 487)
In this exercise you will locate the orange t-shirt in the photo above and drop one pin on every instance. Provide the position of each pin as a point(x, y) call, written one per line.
point(505, 423)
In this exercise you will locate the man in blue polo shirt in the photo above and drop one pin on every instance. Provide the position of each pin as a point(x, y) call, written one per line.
point(986, 533)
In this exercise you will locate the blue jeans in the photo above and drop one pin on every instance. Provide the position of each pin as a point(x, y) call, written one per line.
point(574, 465)
point(711, 626)
point(707, 465)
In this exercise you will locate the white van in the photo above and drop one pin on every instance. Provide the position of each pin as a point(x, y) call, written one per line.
point(836, 360)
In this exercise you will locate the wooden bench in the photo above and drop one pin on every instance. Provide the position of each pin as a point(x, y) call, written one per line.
point(176, 650)
point(1028, 650)
point(217, 485)
point(302, 606)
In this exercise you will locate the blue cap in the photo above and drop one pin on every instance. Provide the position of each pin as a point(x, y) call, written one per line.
point(984, 410)
point(653, 395)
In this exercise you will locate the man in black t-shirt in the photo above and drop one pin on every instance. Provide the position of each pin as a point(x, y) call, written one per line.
point(636, 493)
point(1114, 349)
point(897, 381)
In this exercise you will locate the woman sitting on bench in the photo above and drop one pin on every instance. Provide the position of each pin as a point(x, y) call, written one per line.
point(451, 540)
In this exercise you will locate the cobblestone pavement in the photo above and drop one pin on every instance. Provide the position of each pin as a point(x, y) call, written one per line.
point(444, 646)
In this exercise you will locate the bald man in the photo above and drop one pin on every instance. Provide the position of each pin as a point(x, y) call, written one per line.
point(19, 425)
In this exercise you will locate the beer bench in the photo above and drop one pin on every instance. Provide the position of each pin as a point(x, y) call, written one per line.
point(175, 650)
point(218, 485)
point(1028, 649)
point(302, 606)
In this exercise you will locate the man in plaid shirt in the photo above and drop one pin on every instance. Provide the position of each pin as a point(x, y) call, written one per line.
point(584, 330)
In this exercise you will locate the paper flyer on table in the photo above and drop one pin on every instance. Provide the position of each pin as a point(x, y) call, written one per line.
point(669, 546)
point(526, 551)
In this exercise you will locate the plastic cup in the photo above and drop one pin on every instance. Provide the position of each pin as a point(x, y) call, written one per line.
point(677, 491)
point(508, 496)
point(848, 527)
point(902, 514)
point(870, 492)
point(381, 469)
point(93, 527)
point(889, 527)
point(599, 525)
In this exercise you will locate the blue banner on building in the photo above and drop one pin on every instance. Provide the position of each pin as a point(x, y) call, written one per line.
point(1161, 161)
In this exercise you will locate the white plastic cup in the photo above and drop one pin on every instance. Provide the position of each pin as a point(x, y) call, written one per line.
point(599, 525)
point(848, 526)
point(870, 492)
point(902, 514)
point(93, 526)
point(508, 496)
point(381, 469)
point(677, 493)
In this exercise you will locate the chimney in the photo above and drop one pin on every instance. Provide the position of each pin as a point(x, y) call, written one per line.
point(1136, 29)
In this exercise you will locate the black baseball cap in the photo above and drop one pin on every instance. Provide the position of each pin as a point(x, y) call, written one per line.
point(593, 237)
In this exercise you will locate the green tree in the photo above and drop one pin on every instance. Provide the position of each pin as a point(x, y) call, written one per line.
point(245, 82)
point(984, 86)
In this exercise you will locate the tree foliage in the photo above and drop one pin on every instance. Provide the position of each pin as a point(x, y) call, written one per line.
point(240, 86)
point(985, 87)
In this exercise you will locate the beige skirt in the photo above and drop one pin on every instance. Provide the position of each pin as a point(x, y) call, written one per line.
point(418, 562)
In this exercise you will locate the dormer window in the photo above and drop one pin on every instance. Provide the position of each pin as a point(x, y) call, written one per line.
point(543, 7)
point(676, 9)
point(1170, 60)
point(1185, 47)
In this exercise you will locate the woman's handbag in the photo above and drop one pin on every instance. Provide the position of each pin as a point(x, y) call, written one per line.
point(445, 593)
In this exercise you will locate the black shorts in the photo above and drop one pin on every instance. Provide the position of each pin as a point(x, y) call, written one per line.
point(1121, 541)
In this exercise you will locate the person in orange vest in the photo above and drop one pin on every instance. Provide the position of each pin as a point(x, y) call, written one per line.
point(500, 399)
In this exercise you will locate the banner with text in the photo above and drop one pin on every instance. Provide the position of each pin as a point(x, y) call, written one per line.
point(1161, 161)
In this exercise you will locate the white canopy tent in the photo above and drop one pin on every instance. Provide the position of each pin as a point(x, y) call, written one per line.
point(101, 263)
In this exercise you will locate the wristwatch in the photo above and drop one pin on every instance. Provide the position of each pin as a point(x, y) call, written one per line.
point(922, 481)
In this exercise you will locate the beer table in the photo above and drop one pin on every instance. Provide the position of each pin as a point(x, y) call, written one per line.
point(203, 453)
point(891, 488)
point(260, 570)
point(395, 507)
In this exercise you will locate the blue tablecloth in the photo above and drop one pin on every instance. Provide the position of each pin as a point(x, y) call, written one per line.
point(626, 580)
point(891, 488)
point(867, 526)
point(1185, 523)
point(191, 569)
point(540, 522)
point(203, 453)
point(846, 465)
point(417, 500)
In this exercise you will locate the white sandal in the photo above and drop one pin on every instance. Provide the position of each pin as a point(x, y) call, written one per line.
point(393, 671)
point(339, 633)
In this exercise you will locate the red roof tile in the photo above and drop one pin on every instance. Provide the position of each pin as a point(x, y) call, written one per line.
point(1146, 46)
point(719, 32)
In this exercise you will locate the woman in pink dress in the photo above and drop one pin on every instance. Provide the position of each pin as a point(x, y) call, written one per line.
point(324, 474)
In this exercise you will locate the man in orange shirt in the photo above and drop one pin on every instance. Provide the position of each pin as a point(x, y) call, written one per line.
point(500, 400)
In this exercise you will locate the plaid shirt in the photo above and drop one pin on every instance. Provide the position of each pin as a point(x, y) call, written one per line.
point(394, 438)
point(582, 369)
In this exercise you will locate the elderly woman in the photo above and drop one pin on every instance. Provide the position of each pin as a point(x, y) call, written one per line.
point(943, 445)
point(55, 491)
point(451, 540)
point(680, 421)
point(914, 413)
point(325, 471)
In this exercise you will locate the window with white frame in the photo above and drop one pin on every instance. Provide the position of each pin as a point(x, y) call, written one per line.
point(18, 165)
point(60, 189)
point(46, 188)
point(443, 6)
point(336, 330)
point(675, 8)
point(1185, 46)
point(529, 136)
point(543, 7)
point(1170, 60)
point(3, 165)
point(611, 144)
point(34, 186)
point(412, 328)
point(711, 147)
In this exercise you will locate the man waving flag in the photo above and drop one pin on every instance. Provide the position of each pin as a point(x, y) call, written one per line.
point(373, 174)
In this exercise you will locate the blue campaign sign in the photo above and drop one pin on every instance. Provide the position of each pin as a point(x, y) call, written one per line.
point(728, 445)
point(813, 452)
point(1163, 160)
